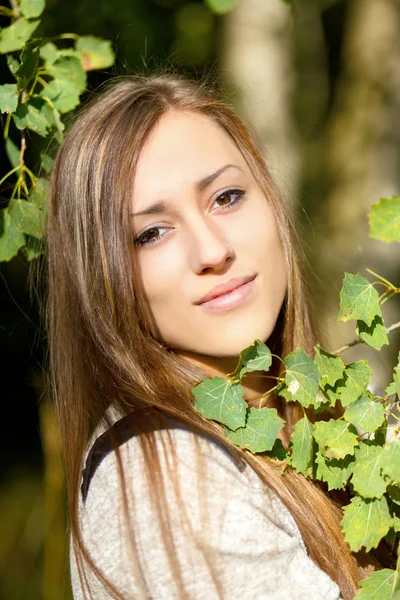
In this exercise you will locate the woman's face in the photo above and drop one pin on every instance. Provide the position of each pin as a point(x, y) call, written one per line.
point(206, 222)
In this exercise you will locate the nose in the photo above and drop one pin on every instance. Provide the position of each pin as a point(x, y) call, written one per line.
point(209, 248)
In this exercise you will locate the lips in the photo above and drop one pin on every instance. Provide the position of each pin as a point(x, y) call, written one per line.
point(225, 288)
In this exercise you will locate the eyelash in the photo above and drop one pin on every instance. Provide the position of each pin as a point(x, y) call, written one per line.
point(141, 239)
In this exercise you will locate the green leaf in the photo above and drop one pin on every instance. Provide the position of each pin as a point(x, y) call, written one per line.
point(221, 400)
point(330, 366)
point(62, 94)
point(358, 299)
point(260, 431)
point(46, 162)
point(365, 413)
point(13, 64)
point(33, 248)
point(301, 378)
point(375, 335)
point(367, 479)
point(8, 98)
point(34, 114)
point(69, 69)
point(390, 461)
point(14, 37)
point(27, 217)
point(256, 357)
point(365, 522)
point(378, 586)
point(353, 385)
point(12, 152)
point(278, 450)
point(50, 53)
point(384, 220)
point(394, 387)
point(29, 63)
point(334, 472)
point(302, 446)
point(96, 53)
point(32, 8)
point(336, 439)
point(11, 238)
point(39, 194)
point(221, 7)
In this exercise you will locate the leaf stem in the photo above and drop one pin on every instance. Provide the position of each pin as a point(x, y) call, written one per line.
point(380, 277)
point(7, 125)
point(7, 12)
point(7, 175)
point(66, 36)
point(360, 341)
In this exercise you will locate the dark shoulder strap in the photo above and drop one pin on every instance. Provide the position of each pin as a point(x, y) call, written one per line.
point(123, 430)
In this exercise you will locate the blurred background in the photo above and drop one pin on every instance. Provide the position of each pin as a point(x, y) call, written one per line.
point(319, 84)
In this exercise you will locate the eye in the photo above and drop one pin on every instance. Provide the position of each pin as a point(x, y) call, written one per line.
point(226, 197)
point(149, 237)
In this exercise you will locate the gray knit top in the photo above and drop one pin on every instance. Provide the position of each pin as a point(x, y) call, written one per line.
point(257, 550)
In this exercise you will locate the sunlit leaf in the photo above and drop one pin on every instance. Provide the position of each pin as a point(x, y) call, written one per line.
point(221, 7)
point(259, 434)
point(301, 378)
point(11, 237)
point(69, 69)
point(330, 366)
point(96, 53)
point(375, 335)
point(8, 97)
point(353, 384)
point(27, 217)
point(368, 480)
point(14, 37)
point(358, 299)
point(365, 413)
point(302, 446)
point(384, 220)
point(336, 439)
point(394, 387)
point(221, 400)
point(32, 8)
point(256, 357)
point(63, 95)
point(334, 472)
point(366, 522)
point(378, 586)
point(390, 461)
point(34, 114)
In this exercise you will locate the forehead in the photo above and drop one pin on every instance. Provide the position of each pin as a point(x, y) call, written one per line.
point(183, 148)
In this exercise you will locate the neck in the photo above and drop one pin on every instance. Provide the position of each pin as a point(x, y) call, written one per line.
point(256, 384)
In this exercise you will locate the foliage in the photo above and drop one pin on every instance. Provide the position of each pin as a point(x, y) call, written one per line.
point(351, 452)
point(49, 76)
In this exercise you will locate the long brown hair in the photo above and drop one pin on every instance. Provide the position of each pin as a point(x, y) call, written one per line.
point(104, 343)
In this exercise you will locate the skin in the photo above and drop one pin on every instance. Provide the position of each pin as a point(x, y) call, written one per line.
point(204, 240)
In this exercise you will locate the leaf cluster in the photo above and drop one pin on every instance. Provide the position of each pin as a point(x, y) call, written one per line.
point(352, 452)
point(50, 75)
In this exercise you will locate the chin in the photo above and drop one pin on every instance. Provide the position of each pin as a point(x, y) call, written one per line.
point(233, 341)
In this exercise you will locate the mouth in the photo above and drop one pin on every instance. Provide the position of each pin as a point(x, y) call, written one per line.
point(229, 295)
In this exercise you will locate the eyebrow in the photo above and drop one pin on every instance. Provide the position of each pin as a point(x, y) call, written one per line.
point(201, 185)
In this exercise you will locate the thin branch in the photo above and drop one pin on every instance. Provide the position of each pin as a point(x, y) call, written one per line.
point(360, 341)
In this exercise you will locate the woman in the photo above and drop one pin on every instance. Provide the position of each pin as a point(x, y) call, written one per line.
point(160, 201)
